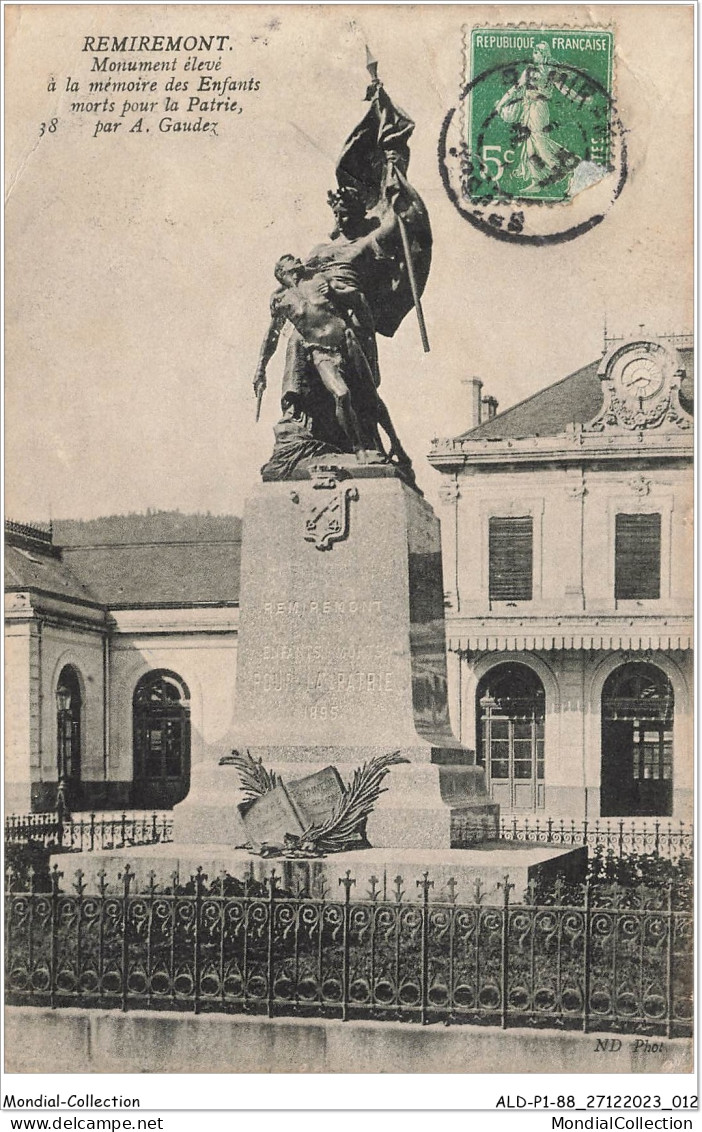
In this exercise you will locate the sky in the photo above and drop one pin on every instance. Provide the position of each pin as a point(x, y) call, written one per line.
point(139, 267)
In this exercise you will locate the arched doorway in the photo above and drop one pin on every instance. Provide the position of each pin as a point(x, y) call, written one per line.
point(510, 735)
point(68, 741)
point(161, 713)
point(637, 742)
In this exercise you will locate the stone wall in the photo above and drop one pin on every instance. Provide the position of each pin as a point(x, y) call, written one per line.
point(99, 1041)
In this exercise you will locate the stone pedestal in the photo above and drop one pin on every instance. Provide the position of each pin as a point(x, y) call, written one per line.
point(342, 656)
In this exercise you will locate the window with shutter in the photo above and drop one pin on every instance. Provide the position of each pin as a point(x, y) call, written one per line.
point(511, 558)
point(637, 557)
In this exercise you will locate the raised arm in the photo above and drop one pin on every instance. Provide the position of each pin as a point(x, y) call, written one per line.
point(268, 348)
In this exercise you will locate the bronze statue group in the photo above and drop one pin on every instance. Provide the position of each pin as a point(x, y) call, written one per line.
point(360, 283)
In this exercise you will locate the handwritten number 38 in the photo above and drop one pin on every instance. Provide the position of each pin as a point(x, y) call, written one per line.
point(50, 129)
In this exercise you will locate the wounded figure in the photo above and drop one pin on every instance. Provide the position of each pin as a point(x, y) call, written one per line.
point(334, 405)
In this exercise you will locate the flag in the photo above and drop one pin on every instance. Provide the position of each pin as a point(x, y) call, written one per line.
point(375, 156)
point(381, 138)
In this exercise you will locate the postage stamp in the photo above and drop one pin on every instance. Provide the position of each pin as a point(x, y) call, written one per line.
point(535, 131)
point(538, 124)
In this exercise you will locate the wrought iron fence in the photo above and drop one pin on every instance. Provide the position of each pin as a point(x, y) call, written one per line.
point(623, 838)
point(94, 831)
point(116, 830)
point(615, 959)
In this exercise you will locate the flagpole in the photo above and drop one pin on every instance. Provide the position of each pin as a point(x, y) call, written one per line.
point(413, 283)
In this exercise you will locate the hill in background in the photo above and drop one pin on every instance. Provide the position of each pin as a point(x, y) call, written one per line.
point(151, 527)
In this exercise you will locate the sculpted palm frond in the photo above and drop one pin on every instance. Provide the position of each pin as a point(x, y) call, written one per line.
point(254, 778)
point(357, 803)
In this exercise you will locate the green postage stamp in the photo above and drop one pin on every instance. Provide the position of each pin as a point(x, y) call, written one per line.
point(537, 113)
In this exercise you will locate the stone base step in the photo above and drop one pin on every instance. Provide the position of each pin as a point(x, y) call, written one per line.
point(489, 865)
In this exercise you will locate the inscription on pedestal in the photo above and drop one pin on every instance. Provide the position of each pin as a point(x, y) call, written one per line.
point(347, 647)
point(329, 680)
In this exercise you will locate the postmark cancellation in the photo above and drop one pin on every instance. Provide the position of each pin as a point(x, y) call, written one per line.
point(535, 150)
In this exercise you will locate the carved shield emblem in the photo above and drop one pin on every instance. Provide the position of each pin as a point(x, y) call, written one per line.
point(327, 518)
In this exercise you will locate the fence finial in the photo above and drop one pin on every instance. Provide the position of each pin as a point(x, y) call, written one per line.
point(507, 885)
point(126, 877)
point(425, 884)
point(348, 882)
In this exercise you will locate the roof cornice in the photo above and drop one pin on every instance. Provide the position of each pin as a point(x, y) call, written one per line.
point(573, 447)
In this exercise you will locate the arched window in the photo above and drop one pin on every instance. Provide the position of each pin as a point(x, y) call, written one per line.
point(68, 716)
point(161, 713)
point(637, 742)
point(510, 739)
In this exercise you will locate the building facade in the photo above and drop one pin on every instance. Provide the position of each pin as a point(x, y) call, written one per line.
point(568, 566)
point(120, 659)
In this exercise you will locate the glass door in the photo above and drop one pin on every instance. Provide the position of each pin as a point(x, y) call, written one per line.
point(513, 751)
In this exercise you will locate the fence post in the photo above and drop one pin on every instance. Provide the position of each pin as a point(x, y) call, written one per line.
point(621, 838)
point(348, 882)
point(272, 880)
point(175, 885)
point(669, 972)
point(127, 877)
point(55, 877)
point(199, 878)
point(505, 884)
point(9, 915)
point(80, 888)
point(92, 832)
point(102, 891)
point(425, 884)
point(586, 959)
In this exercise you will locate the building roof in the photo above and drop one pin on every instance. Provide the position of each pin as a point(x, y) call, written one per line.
point(111, 562)
point(575, 399)
point(26, 568)
point(165, 573)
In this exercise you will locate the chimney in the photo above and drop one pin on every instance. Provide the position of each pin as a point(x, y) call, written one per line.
point(475, 387)
point(489, 408)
